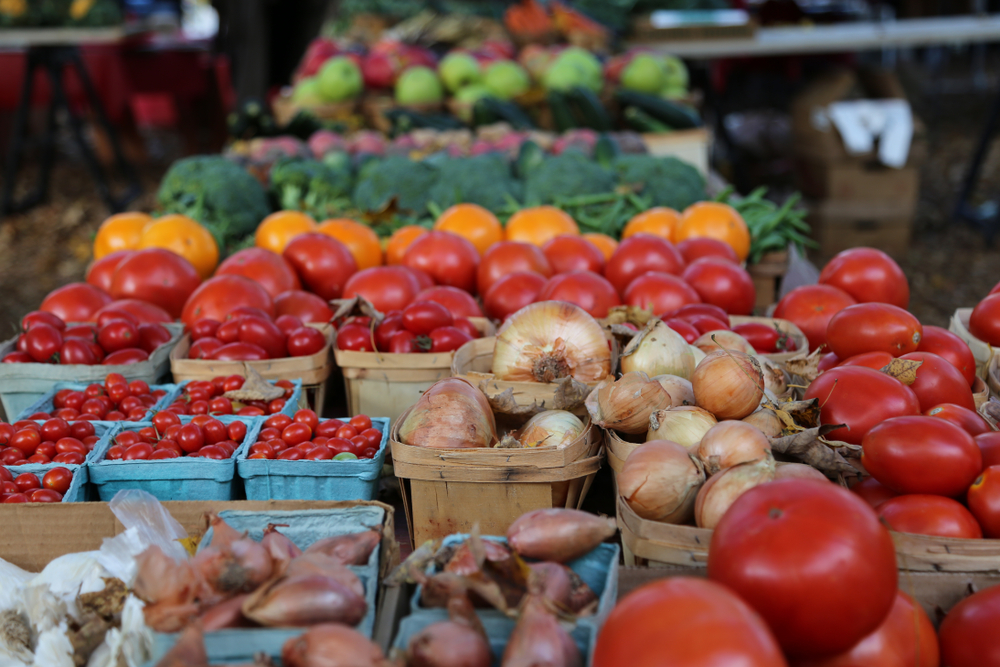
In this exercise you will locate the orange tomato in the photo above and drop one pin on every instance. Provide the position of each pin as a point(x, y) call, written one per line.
point(278, 229)
point(539, 224)
point(185, 237)
point(472, 222)
point(121, 231)
point(604, 243)
point(400, 241)
point(658, 221)
point(717, 221)
point(360, 239)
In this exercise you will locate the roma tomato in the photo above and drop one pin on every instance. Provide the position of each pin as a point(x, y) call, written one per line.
point(659, 292)
point(968, 420)
point(130, 355)
point(447, 258)
point(204, 347)
point(939, 382)
point(423, 317)
point(158, 276)
point(860, 398)
point(354, 337)
point(929, 515)
point(873, 327)
point(458, 302)
point(950, 347)
point(204, 328)
point(699, 310)
point(872, 492)
point(989, 447)
point(143, 311)
point(984, 323)
point(868, 275)
point(589, 291)
point(704, 324)
point(267, 268)
point(513, 292)
point(984, 501)
point(568, 252)
point(696, 248)
point(829, 360)
point(239, 352)
point(118, 335)
point(305, 341)
point(463, 324)
point(303, 305)
point(265, 334)
point(386, 287)
point(41, 317)
point(684, 328)
point(874, 360)
point(76, 351)
point(323, 263)
point(968, 633)
point(639, 254)
point(507, 258)
point(403, 342)
point(152, 336)
point(921, 455)
point(101, 272)
point(812, 559)
point(288, 323)
point(43, 343)
point(811, 308)
point(75, 302)
point(218, 297)
point(723, 284)
point(389, 325)
point(764, 338)
point(448, 339)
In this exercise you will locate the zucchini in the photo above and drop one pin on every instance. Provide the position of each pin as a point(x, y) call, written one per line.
point(589, 109)
point(640, 121)
point(678, 116)
point(509, 113)
point(562, 116)
point(404, 120)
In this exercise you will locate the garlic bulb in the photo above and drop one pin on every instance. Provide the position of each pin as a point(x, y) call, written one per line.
point(679, 389)
point(660, 480)
point(722, 490)
point(625, 404)
point(686, 425)
point(730, 443)
point(552, 428)
point(723, 339)
point(658, 350)
point(766, 420)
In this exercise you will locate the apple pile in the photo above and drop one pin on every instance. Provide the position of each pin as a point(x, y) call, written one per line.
point(305, 437)
point(54, 441)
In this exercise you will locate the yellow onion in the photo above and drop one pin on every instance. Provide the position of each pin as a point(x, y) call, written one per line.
point(552, 428)
point(774, 378)
point(625, 404)
point(766, 420)
point(658, 350)
point(798, 471)
point(728, 384)
point(697, 354)
point(660, 481)
point(724, 340)
point(679, 389)
point(722, 490)
point(685, 425)
point(549, 340)
point(452, 414)
point(731, 443)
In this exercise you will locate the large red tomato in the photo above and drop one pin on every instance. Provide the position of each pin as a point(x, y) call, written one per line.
point(861, 398)
point(268, 268)
point(939, 382)
point(989, 447)
point(868, 275)
point(906, 638)
point(812, 559)
point(146, 313)
point(968, 634)
point(512, 293)
point(586, 289)
point(950, 347)
point(659, 292)
point(101, 272)
point(685, 622)
point(447, 258)
point(873, 360)
point(811, 307)
point(723, 284)
point(75, 302)
point(157, 276)
point(923, 514)
point(304, 305)
point(386, 287)
point(921, 455)
point(969, 420)
point(508, 257)
point(872, 492)
point(984, 323)
point(873, 327)
point(984, 501)
point(218, 296)
point(570, 252)
point(638, 254)
point(459, 302)
point(703, 246)
point(322, 263)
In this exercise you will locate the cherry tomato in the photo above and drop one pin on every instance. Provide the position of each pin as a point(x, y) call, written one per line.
point(43, 343)
point(950, 347)
point(307, 341)
point(811, 308)
point(296, 433)
point(214, 431)
point(250, 411)
point(872, 492)
point(288, 323)
point(18, 357)
point(108, 315)
point(54, 429)
point(704, 324)
point(939, 382)
point(58, 479)
point(203, 328)
point(26, 441)
point(340, 445)
point(213, 452)
point(762, 337)
point(291, 454)
point(5, 476)
point(130, 355)
point(512, 292)
point(307, 417)
point(160, 453)
point(27, 482)
point(684, 328)
point(638, 255)
point(118, 334)
point(76, 351)
point(868, 275)
point(328, 428)
point(164, 419)
point(82, 430)
point(588, 290)
point(458, 302)
point(152, 336)
point(220, 405)
point(191, 438)
point(969, 420)
point(45, 496)
point(347, 432)
point(423, 317)
point(929, 515)
point(466, 327)
point(361, 423)
point(354, 337)
point(67, 445)
point(448, 339)
point(16, 498)
point(659, 292)
point(233, 382)
point(968, 633)
point(171, 444)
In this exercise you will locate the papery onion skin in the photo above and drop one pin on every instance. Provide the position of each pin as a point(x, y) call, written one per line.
point(303, 601)
point(349, 549)
point(766, 420)
point(451, 414)
point(686, 425)
point(538, 639)
point(660, 481)
point(658, 350)
point(679, 389)
point(725, 340)
point(549, 340)
point(239, 568)
point(557, 534)
point(625, 404)
point(552, 428)
point(722, 490)
point(774, 378)
point(731, 443)
point(332, 645)
point(798, 470)
point(730, 385)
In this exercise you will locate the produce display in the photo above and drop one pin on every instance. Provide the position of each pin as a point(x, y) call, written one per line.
point(28, 488)
point(304, 437)
point(116, 399)
point(250, 334)
point(52, 441)
point(423, 326)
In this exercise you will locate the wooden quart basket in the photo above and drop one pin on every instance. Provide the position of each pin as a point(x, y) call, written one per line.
point(448, 491)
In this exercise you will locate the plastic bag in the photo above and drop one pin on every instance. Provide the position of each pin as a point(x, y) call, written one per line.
point(12, 579)
point(147, 524)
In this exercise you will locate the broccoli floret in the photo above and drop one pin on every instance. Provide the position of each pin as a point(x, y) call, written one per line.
point(217, 193)
point(664, 181)
point(399, 178)
point(565, 176)
point(310, 186)
point(484, 179)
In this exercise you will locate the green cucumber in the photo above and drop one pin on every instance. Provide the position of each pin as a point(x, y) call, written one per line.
point(640, 121)
point(679, 116)
point(589, 109)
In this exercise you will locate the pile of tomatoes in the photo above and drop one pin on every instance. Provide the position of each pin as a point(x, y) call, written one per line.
point(205, 397)
point(27, 488)
point(118, 338)
point(250, 334)
point(204, 437)
point(53, 441)
point(984, 323)
point(115, 400)
point(423, 326)
point(694, 320)
point(305, 437)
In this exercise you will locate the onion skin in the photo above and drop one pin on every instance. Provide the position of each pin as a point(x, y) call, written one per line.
point(189, 651)
point(625, 404)
point(660, 481)
point(561, 585)
point(774, 378)
point(332, 645)
point(228, 614)
point(722, 490)
point(731, 443)
point(798, 470)
point(305, 600)
point(538, 640)
point(349, 549)
point(766, 420)
point(552, 428)
point(658, 350)
point(728, 384)
point(463, 562)
point(281, 549)
point(679, 389)
point(686, 425)
point(451, 414)
point(559, 535)
point(726, 340)
point(448, 644)
point(549, 340)
point(223, 534)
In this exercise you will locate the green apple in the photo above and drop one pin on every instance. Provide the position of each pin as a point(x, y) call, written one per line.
point(306, 93)
point(339, 79)
point(466, 98)
point(645, 74)
point(506, 79)
point(676, 72)
point(419, 85)
point(586, 61)
point(459, 69)
point(565, 74)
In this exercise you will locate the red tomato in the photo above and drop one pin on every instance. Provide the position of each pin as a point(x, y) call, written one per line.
point(45, 496)
point(447, 258)
point(140, 451)
point(362, 423)
point(874, 360)
point(229, 331)
point(203, 348)
point(984, 323)
point(152, 336)
point(303, 305)
point(929, 515)
point(237, 431)
point(389, 325)
point(684, 328)
point(218, 297)
point(296, 433)
point(921, 455)
point(190, 437)
point(328, 428)
point(989, 446)
point(589, 291)
point(76, 351)
point(812, 559)
point(66, 445)
point(54, 429)
point(510, 257)
point(697, 248)
point(18, 358)
point(968, 633)
point(268, 268)
point(265, 334)
point(873, 327)
point(43, 343)
point(27, 482)
point(136, 311)
point(26, 441)
point(699, 310)
point(868, 275)
point(5, 476)
point(448, 339)
point(639, 254)
point(861, 398)
point(764, 338)
point(464, 325)
point(157, 276)
point(288, 323)
point(277, 421)
point(568, 253)
point(458, 302)
point(346, 432)
point(513, 292)
point(239, 352)
point(872, 492)
point(118, 335)
point(75, 302)
point(704, 324)
point(307, 417)
point(130, 355)
point(160, 453)
point(403, 342)
point(42, 317)
point(81, 430)
point(305, 341)
point(58, 479)
point(213, 452)
point(214, 432)
point(939, 382)
point(354, 337)
point(984, 501)
point(323, 263)
point(101, 272)
point(811, 308)
point(15, 498)
point(423, 317)
point(968, 420)
point(950, 347)
point(203, 328)
point(423, 279)
point(722, 283)
point(386, 287)
point(85, 332)
point(659, 292)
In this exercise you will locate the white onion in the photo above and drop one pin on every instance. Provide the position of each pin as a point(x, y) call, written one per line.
point(658, 350)
point(626, 403)
point(686, 425)
point(728, 384)
point(549, 340)
point(660, 481)
point(766, 420)
point(721, 491)
point(730, 443)
point(679, 389)
point(552, 428)
point(798, 471)
point(725, 340)
point(774, 377)
point(697, 354)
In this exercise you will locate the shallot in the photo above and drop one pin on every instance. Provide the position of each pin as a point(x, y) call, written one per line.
point(686, 425)
point(539, 639)
point(658, 350)
point(451, 414)
point(239, 567)
point(332, 645)
point(327, 566)
point(728, 384)
point(562, 586)
point(279, 547)
point(448, 644)
point(722, 490)
point(625, 404)
point(227, 614)
point(551, 428)
point(189, 651)
point(730, 443)
point(349, 549)
point(169, 589)
point(305, 600)
point(558, 535)
point(660, 481)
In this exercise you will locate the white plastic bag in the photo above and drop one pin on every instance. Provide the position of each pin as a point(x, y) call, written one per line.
point(147, 524)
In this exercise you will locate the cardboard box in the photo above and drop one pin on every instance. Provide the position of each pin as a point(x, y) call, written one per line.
point(850, 181)
point(837, 226)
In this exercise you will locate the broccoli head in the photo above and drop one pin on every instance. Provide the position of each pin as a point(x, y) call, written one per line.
point(311, 186)
point(405, 180)
point(663, 181)
point(217, 193)
point(566, 176)
point(484, 179)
